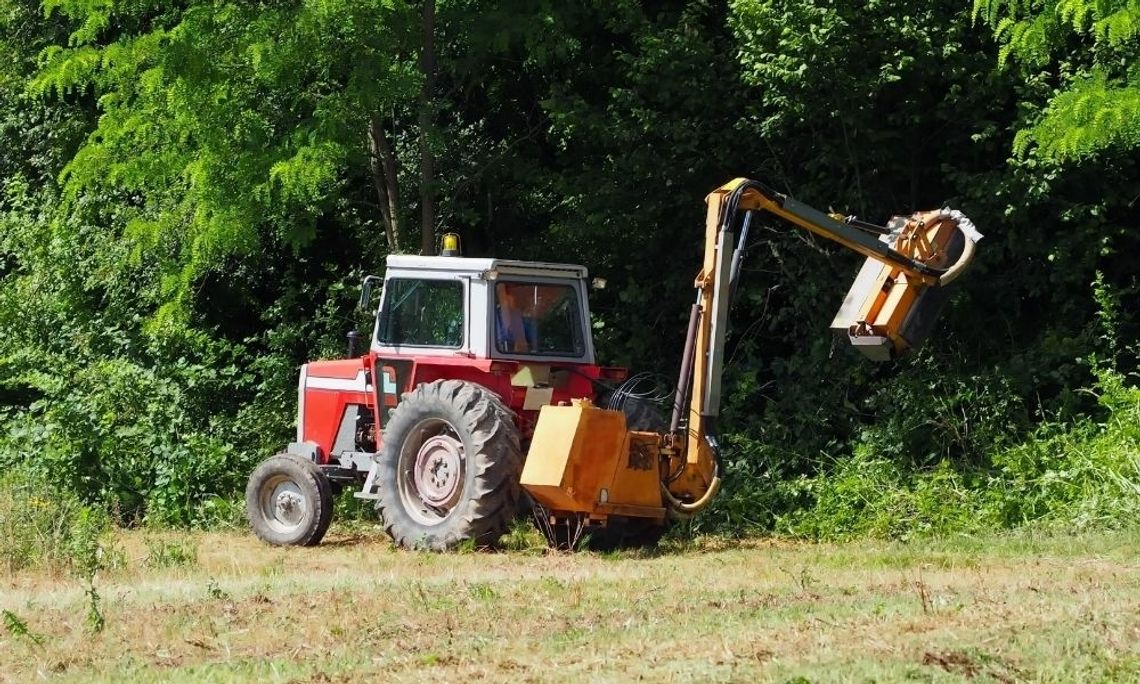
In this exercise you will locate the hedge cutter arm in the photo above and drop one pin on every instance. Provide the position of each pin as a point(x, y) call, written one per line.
point(585, 464)
point(890, 308)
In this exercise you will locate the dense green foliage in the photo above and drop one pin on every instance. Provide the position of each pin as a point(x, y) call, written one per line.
point(1086, 476)
point(1087, 49)
point(190, 192)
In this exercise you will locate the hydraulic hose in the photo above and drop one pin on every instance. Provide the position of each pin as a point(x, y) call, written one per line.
point(679, 510)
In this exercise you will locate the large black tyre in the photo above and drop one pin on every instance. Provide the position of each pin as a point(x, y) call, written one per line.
point(289, 501)
point(449, 467)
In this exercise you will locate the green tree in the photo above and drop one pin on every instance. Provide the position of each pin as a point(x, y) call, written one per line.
point(221, 122)
point(1087, 53)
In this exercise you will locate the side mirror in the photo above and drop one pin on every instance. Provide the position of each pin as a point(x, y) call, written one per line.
point(366, 291)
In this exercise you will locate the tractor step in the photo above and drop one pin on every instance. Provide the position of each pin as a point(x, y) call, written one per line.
point(368, 491)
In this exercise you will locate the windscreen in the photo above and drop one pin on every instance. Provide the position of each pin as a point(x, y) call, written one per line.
point(538, 319)
point(423, 313)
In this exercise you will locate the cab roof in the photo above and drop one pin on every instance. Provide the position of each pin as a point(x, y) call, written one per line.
point(508, 267)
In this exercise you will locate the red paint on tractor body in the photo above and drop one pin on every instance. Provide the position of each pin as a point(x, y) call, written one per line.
point(329, 388)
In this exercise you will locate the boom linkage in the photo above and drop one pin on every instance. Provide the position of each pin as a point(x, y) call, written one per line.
point(696, 469)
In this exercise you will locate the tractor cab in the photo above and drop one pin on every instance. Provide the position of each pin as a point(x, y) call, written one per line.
point(519, 328)
point(533, 313)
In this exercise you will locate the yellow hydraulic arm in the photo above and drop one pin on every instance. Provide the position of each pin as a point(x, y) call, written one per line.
point(915, 254)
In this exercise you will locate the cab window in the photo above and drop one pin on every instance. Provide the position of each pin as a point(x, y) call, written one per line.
point(538, 319)
point(423, 313)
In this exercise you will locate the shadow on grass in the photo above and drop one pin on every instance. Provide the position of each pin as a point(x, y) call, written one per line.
point(349, 540)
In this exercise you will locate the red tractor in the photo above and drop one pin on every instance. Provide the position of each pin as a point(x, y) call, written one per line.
point(463, 355)
point(474, 360)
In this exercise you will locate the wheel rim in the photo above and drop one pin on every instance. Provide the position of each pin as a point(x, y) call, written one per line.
point(283, 505)
point(432, 471)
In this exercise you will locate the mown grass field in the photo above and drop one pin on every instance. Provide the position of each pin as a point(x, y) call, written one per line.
point(221, 606)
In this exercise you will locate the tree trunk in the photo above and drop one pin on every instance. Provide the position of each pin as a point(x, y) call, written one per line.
point(384, 174)
point(427, 162)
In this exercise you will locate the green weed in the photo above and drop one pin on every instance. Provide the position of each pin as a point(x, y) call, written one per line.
point(523, 536)
point(482, 591)
point(95, 619)
point(215, 592)
point(18, 628)
point(166, 553)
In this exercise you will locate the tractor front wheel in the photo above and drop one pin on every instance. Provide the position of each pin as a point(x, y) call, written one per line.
point(289, 501)
point(449, 467)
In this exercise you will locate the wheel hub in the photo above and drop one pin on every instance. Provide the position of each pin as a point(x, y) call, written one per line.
point(289, 507)
point(282, 503)
point(438, 471)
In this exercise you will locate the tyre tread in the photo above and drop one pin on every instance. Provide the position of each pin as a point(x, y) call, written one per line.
point(495, 457)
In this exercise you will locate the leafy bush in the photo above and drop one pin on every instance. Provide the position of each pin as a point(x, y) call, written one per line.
point(1085, 476)
point(867, 495)
point(751, 495)
point(1076, 476)
point(929, 414)
point(42, 527)
point(133, 439)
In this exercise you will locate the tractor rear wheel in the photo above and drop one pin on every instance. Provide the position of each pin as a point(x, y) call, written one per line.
point(289, 501)
point(449, 467)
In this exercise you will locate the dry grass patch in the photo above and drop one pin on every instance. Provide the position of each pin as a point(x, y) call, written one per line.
point(356, 609)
